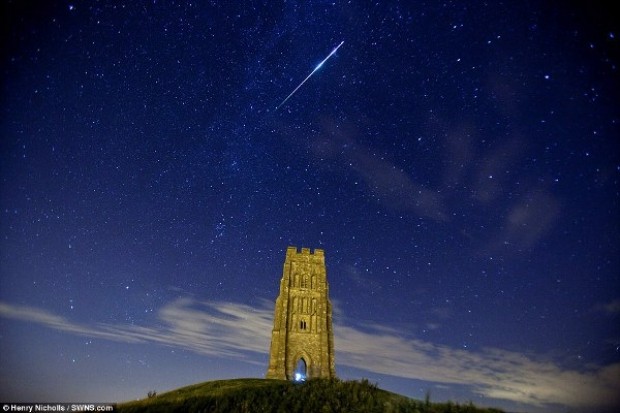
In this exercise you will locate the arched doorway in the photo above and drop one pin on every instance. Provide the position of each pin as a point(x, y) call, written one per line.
point(300, 373)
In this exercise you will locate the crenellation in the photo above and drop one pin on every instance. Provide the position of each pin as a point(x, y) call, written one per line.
point(304, 251)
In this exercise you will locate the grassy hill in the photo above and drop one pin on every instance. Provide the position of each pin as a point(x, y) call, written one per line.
point(278, 396)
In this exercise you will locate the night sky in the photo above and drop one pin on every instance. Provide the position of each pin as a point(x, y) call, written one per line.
point(458, 162)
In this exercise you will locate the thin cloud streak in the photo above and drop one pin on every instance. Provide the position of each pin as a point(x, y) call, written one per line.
point(225, 329)
point(390, 185)
point(492, 373)
point(611, 308)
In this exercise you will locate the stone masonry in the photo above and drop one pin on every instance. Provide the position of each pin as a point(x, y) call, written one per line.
point(302, 325)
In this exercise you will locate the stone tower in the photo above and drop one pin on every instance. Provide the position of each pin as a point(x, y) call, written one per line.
point(302, 327)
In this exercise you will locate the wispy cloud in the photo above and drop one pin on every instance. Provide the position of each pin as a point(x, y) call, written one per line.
point(611, 308)
point(492, 373)
point(354, 274)
point(491, 172)
point(210, 328)
point(388, 183)
point(240, 331)
point(531, 218)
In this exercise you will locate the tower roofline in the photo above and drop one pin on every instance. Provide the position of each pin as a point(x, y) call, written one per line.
point(296, 251)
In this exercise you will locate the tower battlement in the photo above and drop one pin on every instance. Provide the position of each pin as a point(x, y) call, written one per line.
point(304, 251)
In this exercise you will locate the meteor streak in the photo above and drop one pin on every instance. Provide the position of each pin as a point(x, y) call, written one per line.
point(308, 77)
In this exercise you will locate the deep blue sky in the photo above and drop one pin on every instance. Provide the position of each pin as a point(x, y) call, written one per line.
point(458, 163)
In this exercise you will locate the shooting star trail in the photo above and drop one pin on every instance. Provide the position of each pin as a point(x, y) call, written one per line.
point(308, 77)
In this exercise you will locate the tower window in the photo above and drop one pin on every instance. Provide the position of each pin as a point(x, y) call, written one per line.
point(302, 325)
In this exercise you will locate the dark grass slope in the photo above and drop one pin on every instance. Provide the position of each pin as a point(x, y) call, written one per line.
point(278, 396)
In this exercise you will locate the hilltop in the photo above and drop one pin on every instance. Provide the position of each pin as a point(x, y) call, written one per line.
point(279, 396)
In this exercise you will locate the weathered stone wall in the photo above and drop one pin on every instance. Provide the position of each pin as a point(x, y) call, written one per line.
point(302, 326)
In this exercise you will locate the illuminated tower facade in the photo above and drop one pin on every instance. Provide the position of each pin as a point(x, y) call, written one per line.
point(302, 340)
